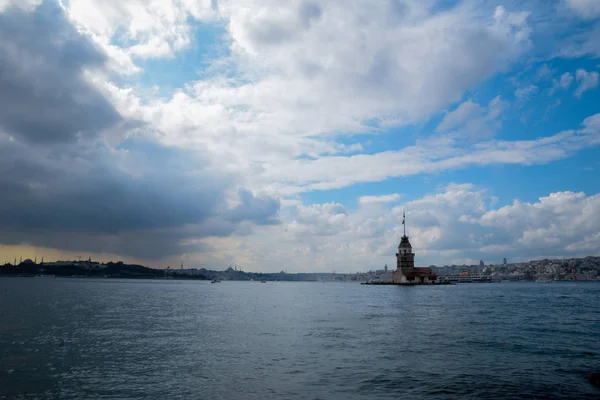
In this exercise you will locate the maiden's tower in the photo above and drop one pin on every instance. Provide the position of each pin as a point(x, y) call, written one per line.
point(405, 272)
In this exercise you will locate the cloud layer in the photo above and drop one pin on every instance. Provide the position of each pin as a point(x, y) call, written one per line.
point(63, 185)
point(388, 64)
point(45, 97)
point(458, 224)
point(94, 157)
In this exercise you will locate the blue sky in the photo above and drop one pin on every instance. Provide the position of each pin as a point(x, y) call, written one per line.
point(541, 115)
point(296, 133)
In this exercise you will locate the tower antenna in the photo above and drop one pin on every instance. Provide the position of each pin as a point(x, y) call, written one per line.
point(404, 221)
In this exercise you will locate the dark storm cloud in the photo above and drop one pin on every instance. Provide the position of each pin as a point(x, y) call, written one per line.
point(104, 191)
point(258, 209)
point(43, 95)
point(62, 186)
point(142, 199)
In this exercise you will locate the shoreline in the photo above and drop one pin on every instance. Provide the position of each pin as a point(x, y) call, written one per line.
point(407, 284)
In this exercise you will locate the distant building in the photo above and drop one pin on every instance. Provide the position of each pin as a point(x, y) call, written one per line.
point(405, 264)
point(504, 261)
point(481, 263)
point(385, 268)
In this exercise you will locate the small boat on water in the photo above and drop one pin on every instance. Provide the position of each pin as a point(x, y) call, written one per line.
point(215, 280)
point(263, 281)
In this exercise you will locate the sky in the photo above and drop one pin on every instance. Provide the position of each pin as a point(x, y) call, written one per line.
point(293, 135)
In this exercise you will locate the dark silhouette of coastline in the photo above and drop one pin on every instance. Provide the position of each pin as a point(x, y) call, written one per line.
point(92, 269)
point(84, 269)
point(587, 268)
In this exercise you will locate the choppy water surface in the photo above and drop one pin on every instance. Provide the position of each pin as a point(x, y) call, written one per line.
point(79, 338)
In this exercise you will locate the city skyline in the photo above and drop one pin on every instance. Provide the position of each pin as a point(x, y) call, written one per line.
point(294, 136)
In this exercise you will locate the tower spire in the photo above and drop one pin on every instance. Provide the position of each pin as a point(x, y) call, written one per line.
point(404, 221)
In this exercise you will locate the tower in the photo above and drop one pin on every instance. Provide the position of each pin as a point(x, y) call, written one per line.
point(405, 258)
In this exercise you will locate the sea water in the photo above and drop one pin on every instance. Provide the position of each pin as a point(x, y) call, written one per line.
point(104, 338)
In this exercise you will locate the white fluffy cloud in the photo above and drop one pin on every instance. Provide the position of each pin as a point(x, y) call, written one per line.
point(525, 93)
point(586, 43)
point(330, 172)
point(564, 82)
point(386, 198)
point(318, 220)
point(586, 80)
point(145, 29)
point(270, 160)
point(460, 115)
point(473, 121)
point(555, 225)
point(375, 50)
point(397, 61)
point(27, 5)
point(459, 223)
point(387, 61)
point(585, 8)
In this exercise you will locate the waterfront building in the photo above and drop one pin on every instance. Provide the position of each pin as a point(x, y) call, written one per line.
point(405, 264)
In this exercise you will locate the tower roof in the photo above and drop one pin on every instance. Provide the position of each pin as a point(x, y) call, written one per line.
point(404, 242)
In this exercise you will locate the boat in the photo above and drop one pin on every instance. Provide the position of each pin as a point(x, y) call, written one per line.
point(263, 281)
point(215, 280)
